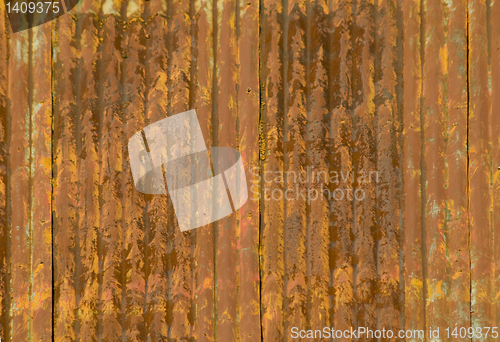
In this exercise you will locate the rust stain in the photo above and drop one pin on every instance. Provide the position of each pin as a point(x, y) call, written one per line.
point(412, 79)
point(479, 171)
point(456, 157)
point(495, 146)
point(394, 100)
point(4, 181)
point(433, 119)
point(272, 217)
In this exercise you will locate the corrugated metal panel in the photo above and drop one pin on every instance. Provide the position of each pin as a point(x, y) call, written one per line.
point(390, 102)
point(122, 266)
point(26, 144)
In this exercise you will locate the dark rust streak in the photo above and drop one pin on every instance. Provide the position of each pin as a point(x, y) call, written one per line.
point(122, 278)
point(285, 57)
point(30, 185)
point(398, 64)
point(171, 252)
point(147, 224)
point(78, 128)
point(214, 132)
point(271, 135)
point(423, 170)
point(5, 179)
point(100, 93)
point(350, 108)
point(191, 104)
point(377, 102)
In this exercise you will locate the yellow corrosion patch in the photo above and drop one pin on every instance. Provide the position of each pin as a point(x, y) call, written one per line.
point(207, 283)
point(46, 163)
point(435, 291)
point(416, 287)
point(443, 53)
point(47, 235)
point(457, 274)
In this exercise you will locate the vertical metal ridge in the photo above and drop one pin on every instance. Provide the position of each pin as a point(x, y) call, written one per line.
point(40, 169)
point(284, 80)
point(247, 142)
point(317, 208)
point(412, 162)
point(147, 224)
point(131, 111)
point(156, 214)
point(193, 236)
point(78, 146)
point(388, 165)
point(495, 108)
point(108, 238)
point(100, 92)
point(121, 279)
point(21, 187)
point(30, 185)
point(400, 155)
point(468, 167)
point(169, 265)
point(329, 98)
point(65, 204)
point(341, 216)
point(5, 210)
point(294, 149)
point(423, 168)
point(271, 154)
point(204, 250)
point(307, 137)
point(456, 164)
point(479, 153)
point(377, 230)
point(214, 132)
point(237, 144)
point(179, 48)
point(363, 150)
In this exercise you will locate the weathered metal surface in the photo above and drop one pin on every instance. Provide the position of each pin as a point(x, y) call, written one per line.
point(412, 224)
point(123, 267)
point(479, 166)
point(454, 90)
point(4, 179)
point(495, 143)
point(395, 100)
point(26, 189)
point(443, 168)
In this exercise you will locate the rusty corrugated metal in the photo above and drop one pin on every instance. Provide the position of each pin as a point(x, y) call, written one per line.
point(4, 180)
point(131, 271)
point(26, 188)
point(406, 89)
point(479, 166)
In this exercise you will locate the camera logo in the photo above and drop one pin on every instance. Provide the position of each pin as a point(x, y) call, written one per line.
point(205, 184)
point(25, 14)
